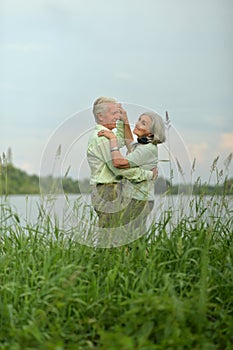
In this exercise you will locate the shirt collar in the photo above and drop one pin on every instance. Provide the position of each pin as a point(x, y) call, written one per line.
point(101, 127)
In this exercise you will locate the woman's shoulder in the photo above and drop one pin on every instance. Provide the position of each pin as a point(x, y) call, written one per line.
point(148, 146)
point(143, 147)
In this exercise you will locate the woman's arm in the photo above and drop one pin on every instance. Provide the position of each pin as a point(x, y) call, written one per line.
point(117, 158)
point(128, 133)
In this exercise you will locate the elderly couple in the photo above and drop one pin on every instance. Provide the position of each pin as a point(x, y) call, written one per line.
point(123, 186)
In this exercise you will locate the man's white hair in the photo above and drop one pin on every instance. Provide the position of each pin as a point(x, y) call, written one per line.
point(101, 105)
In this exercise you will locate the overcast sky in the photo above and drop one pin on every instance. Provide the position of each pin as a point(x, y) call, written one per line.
point(58, 56)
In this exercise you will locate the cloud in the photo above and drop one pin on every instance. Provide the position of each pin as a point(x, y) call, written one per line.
point(9, 87)
point(24, 47)
point(226, 142)
point(28, 167)
point(198, 151)
point(88, 7)
point(218, 122)
point(123, 76)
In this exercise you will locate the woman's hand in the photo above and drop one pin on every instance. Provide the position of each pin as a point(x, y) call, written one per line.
point(123, 114)
point(107, 133)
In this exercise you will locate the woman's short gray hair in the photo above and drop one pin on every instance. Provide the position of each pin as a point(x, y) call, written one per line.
point(101, 105)
point(157, 127)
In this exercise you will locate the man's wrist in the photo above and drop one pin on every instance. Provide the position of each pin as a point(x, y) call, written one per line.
point(115, 148)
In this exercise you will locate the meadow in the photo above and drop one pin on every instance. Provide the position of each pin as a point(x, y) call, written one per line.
point(170, 289)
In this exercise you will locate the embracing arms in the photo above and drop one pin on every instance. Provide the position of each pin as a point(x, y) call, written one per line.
point(117, 158)
point(121, 163)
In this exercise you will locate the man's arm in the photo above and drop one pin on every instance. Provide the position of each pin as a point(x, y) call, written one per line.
point(135, 174)
point(119, 161)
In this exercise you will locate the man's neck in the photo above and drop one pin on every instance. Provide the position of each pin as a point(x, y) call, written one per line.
point(106, 126)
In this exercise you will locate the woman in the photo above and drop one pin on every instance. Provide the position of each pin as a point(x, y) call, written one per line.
point(150, 132)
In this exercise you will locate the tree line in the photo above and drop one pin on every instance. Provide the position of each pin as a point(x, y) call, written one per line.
point(17, 181)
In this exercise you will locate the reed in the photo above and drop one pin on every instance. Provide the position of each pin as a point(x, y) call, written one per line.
point(171, 290)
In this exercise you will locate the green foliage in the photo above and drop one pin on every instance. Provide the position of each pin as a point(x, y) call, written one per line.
point(16, 181)
point(170, 290)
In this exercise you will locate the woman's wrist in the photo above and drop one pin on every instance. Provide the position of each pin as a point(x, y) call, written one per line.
point(124, 117)
point(125, 120)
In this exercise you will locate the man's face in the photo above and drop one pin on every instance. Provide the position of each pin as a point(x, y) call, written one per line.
point(110, 117)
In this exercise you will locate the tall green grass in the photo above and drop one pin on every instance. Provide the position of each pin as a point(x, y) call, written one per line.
point(172, 289)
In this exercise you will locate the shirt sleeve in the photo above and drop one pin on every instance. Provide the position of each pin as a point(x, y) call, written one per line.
point(134, 174)
point(143, 156)
point(120, 133)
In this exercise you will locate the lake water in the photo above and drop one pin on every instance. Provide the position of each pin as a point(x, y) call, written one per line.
point(30, 207)
point(76, 219)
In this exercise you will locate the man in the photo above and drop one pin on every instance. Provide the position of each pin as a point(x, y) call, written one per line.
point(107, 181)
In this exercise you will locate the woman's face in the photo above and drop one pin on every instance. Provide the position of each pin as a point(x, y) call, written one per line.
point(142, 126)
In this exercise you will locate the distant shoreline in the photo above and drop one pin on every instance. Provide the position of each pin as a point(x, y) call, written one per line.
point(14, 181)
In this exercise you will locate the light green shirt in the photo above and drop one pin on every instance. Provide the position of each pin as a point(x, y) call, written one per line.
point(146, 157)
point(100, 160)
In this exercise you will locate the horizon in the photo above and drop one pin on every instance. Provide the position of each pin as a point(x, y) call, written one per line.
point(220, 177)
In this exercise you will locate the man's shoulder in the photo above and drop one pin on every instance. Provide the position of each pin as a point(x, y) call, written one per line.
point(95, 140)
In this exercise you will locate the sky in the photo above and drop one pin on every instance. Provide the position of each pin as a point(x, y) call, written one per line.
point(58, 56)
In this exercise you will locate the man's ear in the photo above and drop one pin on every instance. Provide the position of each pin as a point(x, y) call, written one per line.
point(100, 117)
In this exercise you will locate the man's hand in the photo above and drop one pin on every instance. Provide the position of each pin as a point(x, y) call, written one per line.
point(155, 173)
